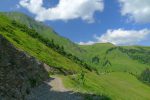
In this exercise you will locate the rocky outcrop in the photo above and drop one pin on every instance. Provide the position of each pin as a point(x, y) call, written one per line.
point(19, 72)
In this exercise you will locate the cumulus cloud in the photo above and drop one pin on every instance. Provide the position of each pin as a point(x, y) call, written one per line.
point(136, 10)
point(65, 9)
point(86, 43)
point(121, 37)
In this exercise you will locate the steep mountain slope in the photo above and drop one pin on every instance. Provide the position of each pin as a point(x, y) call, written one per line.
point(34, 47)
point(117, 66)
point(96, 55)
point(18, 60)
point(19, 72)
point(45, 31)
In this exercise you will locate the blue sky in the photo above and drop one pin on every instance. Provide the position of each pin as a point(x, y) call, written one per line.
point(113, 21)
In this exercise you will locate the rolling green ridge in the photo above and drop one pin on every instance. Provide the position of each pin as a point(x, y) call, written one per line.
point(117, 58)
point(117, 67)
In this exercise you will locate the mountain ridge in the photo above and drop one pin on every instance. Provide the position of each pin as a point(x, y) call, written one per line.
point(44, 30)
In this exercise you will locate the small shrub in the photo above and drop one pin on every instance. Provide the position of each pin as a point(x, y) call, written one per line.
point(16, 40)
point(145, 76)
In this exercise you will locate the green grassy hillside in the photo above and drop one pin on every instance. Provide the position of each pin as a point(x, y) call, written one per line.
point(45, 31)
point(95, 55)
point(117, 67)
point(116, 85)
point(112, 58)
point(34, 47)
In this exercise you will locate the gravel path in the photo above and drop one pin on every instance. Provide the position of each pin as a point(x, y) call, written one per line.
point(53, 89)
point(57, 85)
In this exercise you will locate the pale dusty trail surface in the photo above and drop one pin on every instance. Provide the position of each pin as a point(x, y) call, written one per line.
point(53, 89)
point(57, 85)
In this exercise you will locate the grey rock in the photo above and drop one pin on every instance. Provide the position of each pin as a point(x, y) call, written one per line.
point(19, 72)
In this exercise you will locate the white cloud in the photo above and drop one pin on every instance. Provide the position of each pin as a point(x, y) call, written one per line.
point(121, 37)
point(65, 9)
point(136, 10)
point(86, 43)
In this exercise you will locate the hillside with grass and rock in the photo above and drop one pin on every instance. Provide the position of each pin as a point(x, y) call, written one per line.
point(38, 64)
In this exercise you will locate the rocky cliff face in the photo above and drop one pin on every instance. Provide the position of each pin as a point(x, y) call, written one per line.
point(19, 72)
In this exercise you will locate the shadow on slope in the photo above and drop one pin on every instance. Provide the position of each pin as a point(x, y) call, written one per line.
point(19, 72)
point(45, 92)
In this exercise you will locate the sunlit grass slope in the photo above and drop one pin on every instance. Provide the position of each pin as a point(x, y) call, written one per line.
point(117, 69)
point(45, 31)
point(116, 85)
point(34, 47)
point(115, 59)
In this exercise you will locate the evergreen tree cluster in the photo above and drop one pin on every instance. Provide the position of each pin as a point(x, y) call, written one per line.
point(7, 28)
point(95, 60)
point(145, 76)
point(141, 55)
point(107, 63)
